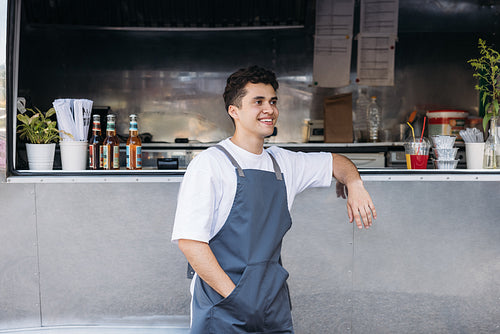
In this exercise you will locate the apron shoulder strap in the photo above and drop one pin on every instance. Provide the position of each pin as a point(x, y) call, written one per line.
point(277, 169)
point(233, 161)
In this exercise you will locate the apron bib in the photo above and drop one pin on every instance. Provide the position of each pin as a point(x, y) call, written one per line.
point(248, 249)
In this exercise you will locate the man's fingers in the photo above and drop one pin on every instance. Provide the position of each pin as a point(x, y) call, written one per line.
point(354, 215)
point(362, 215)
point(374, 212)
point(349, 213)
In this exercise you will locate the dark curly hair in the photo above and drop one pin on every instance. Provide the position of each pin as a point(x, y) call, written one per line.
point(235, 87)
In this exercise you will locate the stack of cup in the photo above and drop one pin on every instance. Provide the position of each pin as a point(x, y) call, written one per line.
point(444, 152)
point(417, 153)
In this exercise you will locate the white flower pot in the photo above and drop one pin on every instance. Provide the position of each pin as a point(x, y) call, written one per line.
point(41, 156)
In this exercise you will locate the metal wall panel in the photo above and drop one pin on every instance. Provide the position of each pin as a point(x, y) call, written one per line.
point(3, 89)
point(19, 283)
point(317, 253)
point(430, 264)
point(106, 255)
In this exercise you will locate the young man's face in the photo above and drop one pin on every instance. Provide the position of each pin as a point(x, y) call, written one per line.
point(258, 112)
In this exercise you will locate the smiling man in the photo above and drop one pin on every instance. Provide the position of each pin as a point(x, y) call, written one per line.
point(234, 209)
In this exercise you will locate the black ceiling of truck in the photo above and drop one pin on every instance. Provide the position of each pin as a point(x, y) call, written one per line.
point(166, 13)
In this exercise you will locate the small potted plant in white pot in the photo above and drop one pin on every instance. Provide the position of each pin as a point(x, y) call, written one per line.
point(41, 134)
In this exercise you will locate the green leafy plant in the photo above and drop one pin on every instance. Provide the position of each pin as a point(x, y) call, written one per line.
point(39, 128)
point(487, 72)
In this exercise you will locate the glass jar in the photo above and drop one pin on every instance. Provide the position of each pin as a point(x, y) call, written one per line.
point(491, 157)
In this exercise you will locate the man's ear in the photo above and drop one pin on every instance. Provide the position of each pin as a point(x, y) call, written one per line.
point(233, 111)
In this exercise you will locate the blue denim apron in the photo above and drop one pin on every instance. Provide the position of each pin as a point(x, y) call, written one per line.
point(248, 249)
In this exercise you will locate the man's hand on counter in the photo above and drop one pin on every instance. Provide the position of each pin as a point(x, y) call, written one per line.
point(360, 207)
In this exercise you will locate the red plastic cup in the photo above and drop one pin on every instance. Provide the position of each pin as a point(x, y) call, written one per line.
point(419, 161)
point(417, 153)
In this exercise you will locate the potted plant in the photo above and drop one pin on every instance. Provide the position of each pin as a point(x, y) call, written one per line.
point(42, 134)
point(487, 71)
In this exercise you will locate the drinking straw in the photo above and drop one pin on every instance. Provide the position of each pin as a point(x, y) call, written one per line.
point(423, 127)
point(412, 131)
point(422, 135)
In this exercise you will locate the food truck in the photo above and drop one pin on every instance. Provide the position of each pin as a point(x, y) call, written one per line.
point(84, 249)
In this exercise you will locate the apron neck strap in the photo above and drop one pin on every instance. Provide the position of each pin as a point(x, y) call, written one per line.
point(233, 161)
point(277, 169)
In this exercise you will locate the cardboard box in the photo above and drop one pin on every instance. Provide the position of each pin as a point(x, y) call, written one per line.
point(338, 119)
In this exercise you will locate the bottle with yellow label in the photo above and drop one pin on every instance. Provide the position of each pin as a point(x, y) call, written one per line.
point(110, 149)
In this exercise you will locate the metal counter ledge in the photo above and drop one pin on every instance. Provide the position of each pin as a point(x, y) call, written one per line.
point(160, 176)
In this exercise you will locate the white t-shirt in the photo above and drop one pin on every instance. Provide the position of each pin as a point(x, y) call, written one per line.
point(209, 185)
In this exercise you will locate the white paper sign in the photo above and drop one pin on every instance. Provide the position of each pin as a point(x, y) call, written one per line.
point(377, 42)
point(333, 42)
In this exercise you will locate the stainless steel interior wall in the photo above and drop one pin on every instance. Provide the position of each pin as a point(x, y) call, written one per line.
point(100, 254)
point(174, 79)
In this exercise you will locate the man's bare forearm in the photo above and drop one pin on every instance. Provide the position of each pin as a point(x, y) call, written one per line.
point(203, 261)
point(360, 206)
point(344, 170)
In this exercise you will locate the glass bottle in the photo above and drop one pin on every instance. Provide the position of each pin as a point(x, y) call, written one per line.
point(359, 123)
point(134, 156)
point(373, 115)
point(95, 143)
point(110, 149)
point(491, 157)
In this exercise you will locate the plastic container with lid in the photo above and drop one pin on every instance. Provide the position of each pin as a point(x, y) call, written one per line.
point(446, 122)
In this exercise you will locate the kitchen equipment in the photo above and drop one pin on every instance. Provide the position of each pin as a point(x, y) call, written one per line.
point(167, 163)
point(447, 122)
point(367, 160)
point(313, 131)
